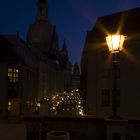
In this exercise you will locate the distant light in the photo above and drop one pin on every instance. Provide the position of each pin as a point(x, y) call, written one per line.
point(9, 103)
point(38, 104)
point(81, 112)
point(76, 89)
point(79, 106)
point(58, 103)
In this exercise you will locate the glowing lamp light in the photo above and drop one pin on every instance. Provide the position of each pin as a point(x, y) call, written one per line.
point(38, 104)
point(115, 42)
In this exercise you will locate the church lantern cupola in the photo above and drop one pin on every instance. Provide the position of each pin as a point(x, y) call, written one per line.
point(42, 12)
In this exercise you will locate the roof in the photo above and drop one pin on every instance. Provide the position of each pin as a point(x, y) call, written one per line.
point(126, 21)
point(15, 49)
point(12, 47)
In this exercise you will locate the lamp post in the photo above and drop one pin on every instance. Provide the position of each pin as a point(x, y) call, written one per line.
point(115, 45)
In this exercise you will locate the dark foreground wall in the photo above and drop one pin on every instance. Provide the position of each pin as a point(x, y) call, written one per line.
point(80, 128)
point(83, 128)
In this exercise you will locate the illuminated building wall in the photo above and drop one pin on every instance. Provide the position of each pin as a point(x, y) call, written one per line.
point(96, 79)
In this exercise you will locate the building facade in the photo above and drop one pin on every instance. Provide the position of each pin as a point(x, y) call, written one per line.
point(43, 38)
point(96, 79)
point(32, 69)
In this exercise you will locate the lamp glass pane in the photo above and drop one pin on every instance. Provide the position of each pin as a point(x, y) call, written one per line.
point(115, 42)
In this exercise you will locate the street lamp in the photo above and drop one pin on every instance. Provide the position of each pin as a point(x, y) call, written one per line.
point(115, 45)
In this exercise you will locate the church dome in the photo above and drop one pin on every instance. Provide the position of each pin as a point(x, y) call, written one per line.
point(40, 32)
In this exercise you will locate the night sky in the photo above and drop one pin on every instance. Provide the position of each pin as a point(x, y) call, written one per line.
point(73, 18)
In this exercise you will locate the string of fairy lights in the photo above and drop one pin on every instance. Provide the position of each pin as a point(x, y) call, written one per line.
point(58, 104)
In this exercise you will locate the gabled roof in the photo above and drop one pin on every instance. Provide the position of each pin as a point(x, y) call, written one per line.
point(127, 21)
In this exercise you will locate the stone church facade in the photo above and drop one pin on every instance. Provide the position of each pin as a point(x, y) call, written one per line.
point(43, 37)
point(34, 68)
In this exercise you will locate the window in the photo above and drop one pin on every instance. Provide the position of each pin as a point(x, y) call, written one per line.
point(9, 106)
point(105, 97)
point(12, 75)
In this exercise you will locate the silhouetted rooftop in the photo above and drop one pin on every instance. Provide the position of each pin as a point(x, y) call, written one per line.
point(127, 22)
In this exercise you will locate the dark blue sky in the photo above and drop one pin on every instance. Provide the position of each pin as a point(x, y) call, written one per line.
point(73, 18)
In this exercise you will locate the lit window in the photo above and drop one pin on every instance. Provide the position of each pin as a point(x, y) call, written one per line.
point(13, 75)
point(9, 106)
